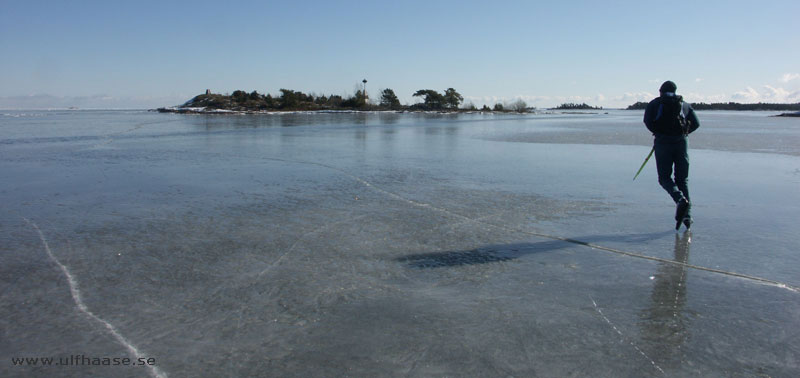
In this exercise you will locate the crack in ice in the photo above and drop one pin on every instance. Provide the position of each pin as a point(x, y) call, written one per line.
point(110, 137)
point(624, 338)
point(542, 235)
point(302, 237)
point(76, 297)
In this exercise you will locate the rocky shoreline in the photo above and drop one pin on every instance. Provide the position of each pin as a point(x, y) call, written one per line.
point(181, 110)
point(189, 110)
point(200, 110)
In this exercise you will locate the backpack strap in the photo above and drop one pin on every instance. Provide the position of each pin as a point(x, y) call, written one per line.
point(684, 118)
point(684, 110)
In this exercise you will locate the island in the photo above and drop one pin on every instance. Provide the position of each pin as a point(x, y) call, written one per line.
point(572, 106)
point(242, 102)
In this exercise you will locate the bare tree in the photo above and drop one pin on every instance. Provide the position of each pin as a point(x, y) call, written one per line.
point(518, 106)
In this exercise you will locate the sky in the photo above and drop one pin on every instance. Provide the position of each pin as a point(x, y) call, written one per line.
point(143, 54)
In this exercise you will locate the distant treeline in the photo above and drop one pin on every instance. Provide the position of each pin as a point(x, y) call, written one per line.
point(728, 106)
point(571, 106)
point(288, 100)
point(291, 100)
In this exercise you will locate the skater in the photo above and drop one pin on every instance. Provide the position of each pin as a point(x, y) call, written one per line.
point(671, 121)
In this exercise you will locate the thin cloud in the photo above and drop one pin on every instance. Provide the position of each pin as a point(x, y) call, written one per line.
point(630, 97)
point(749, 95)
point(768, 93)
point(491, 100)
point(697, 97)
point(778, 93)
point(787, 77)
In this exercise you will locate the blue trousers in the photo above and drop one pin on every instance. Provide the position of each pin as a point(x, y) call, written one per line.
point(673, 151)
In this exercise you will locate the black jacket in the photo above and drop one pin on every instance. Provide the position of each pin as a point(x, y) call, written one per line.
point(656, 111)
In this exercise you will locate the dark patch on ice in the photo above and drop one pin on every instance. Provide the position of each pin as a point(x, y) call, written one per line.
point(456, 258)
point(508, 252)
point(482, 255)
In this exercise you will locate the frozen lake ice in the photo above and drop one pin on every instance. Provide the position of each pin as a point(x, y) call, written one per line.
point(384, 244)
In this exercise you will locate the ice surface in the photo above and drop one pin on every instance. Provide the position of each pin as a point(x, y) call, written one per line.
point(396, 244)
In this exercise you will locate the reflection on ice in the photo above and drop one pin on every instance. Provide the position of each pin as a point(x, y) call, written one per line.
point(665, 326)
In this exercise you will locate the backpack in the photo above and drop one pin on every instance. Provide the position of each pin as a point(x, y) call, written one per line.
point(671, 116)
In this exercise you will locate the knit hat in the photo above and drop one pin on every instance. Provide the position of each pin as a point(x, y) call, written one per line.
point(668, 86)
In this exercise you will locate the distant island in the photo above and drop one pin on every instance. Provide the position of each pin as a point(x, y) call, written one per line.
point(290, 100)
point(571, 106)
point(729, 106)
